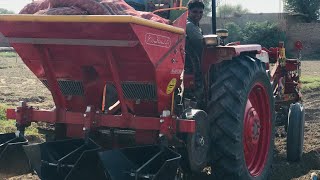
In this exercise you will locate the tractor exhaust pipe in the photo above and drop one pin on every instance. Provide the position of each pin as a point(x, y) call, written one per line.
point(214, 17)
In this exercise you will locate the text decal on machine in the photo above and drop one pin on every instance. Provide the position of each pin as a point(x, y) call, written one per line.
point(158, 40)
point(171, 86)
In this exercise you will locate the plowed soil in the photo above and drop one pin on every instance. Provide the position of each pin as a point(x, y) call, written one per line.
point(18, 83)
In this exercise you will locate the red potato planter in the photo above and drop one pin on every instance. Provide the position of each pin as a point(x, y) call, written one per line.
point(125, 109)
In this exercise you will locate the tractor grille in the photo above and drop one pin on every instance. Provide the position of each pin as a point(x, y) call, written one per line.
point(68, 88)
point(134, 90)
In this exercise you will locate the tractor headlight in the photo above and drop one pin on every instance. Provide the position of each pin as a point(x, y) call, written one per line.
point(211, 40)
point(223, 33)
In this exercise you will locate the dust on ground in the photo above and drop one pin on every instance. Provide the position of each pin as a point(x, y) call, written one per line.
point(17, 83)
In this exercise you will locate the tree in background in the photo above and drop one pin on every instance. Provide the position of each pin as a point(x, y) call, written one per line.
point(235, 33)
point(207, 7)
point(265, 33)
point(228, 10)
point(310, 8)
point(5, 11)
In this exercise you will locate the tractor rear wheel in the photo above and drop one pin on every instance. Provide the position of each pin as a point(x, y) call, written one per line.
point(241, 115)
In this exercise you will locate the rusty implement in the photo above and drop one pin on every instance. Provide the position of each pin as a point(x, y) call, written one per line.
point(13, 160)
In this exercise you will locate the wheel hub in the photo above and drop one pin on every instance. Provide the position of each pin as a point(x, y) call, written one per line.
point(254, 126)
point(257, 129)
point(198, 145)
point(200, 140)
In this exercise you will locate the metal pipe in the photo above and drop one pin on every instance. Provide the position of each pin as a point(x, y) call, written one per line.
point(214, 17)
point(113, 68)
point(53, 84)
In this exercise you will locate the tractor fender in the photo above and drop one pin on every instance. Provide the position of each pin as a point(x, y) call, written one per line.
point(215, 55)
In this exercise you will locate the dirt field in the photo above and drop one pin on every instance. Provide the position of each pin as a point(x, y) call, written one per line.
point(311, 157)
point(17, 83)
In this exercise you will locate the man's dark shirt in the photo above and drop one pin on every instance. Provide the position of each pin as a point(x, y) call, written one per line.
point(194, 36)
point(194, 44)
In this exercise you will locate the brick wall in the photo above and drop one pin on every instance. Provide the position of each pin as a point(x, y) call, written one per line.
point(308, 33)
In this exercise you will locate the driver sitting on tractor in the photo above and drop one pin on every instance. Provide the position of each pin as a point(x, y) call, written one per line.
point(194, 44)
point(194, 32)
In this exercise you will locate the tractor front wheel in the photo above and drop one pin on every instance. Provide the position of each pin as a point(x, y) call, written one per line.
point(241, 115)
point(295, 131)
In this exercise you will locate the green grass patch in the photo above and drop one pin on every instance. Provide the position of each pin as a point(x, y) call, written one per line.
point(8, 54)
point(2, 112)
point(7, 126)
point(310, 83)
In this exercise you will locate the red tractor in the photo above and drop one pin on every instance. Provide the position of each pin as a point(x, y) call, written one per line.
point(124, 109)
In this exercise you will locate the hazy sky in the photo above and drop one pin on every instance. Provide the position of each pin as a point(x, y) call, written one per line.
point(255, 6)
point(14, 5)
